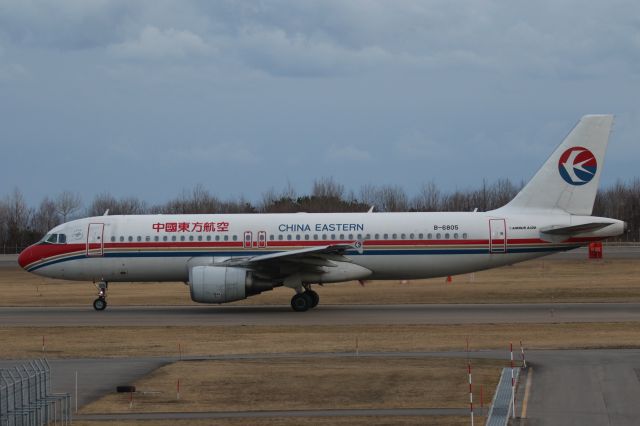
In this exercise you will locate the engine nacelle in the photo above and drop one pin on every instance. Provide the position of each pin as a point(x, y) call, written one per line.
point(221, 284)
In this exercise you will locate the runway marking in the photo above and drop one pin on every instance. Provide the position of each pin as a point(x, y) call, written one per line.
point(527, 391)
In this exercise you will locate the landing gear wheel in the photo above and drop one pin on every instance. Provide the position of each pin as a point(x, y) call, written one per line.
point(301, 302)
point(315, 298)
point(99, 304)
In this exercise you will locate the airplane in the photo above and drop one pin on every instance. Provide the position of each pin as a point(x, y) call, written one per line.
point(229, 257)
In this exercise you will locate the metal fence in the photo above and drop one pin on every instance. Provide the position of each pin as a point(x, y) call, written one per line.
point(26, 398)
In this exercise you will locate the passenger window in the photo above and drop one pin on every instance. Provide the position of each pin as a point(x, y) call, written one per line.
point(429, 236)
point(217, 237)
point(113, 239)
point(420, 236)
point(280, 237)
point(351, 236)
point(226, 238)
point(438, 236)
point(156, 238)
point(377, 236)
point(386, 236)
point(446, 236)
point(333, 236)
point(289, 237)
point(315, 236)
point(130, 238)
point(395, 236)
point(122, 239)
point(341, 236)
point(270, 237)
point(173, 238)
point(208, 237)
point(235, 238)
point(164, 238)
point(403, 236)
point(181, 237)
point(199, 237)
point(306, 236)
point(455, 236)
point(464, 236)
point(190, 237)
point(147, 238)
point(411, 236)
point(324, 236)
point(298, 237)
point(139, 238)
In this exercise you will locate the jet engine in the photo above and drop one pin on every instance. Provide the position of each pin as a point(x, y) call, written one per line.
point(222, 284)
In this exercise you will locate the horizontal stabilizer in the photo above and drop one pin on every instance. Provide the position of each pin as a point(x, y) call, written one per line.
point(575, 229)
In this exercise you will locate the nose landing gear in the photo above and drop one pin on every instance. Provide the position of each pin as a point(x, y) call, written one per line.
point(101, 302)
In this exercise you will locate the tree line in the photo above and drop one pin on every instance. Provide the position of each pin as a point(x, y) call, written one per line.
point(21, 224)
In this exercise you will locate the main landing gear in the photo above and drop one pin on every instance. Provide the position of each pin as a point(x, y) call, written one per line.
point(305, 300)
point(101, 302)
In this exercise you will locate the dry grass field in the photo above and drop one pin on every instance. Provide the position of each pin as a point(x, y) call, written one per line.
point(305, 383)
point(127, 341)
point(550, 280)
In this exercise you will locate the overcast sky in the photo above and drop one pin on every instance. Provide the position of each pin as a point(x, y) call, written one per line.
point(145, 98)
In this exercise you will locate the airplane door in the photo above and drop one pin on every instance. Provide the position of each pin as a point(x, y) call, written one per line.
point(95, 239)
point(248, 239)
point(497, 236)
point(262, 239)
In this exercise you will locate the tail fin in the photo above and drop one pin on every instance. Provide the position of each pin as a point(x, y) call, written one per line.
point(569, 180)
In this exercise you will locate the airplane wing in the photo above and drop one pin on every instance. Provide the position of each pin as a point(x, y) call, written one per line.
point(313, 256)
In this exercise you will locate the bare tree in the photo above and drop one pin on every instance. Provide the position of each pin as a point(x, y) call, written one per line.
point(105, 201)
point(17, 217)
point(327, 188)
point(429, 198)
point(101, 203)
point(393, 199)
point(46, 217)
point(67, 203)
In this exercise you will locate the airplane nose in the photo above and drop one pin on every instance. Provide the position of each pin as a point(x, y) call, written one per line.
point(25, 257)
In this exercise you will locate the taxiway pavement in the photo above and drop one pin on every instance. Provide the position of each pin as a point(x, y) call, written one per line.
point(322, 315)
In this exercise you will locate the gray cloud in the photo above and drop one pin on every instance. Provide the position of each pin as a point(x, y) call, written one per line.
point(310, 88)
point(154, 43)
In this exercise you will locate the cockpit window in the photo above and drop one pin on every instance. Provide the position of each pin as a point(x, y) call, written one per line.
point(55, 238)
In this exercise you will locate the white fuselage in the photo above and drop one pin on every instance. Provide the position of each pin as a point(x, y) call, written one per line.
point(395, 245)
